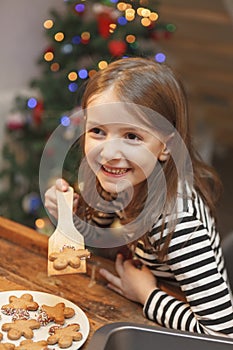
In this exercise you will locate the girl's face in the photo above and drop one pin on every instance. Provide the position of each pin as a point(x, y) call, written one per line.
point(120, 149)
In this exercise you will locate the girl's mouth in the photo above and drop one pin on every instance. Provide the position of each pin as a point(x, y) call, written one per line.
point(115, 171)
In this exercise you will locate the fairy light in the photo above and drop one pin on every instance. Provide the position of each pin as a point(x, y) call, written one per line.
point(130, 38)
point(122, 6)
point(102, 64)
point(48, 56)
point(83, 73)
point(65, 120)
point(112, 28)
point(154, 16)
point(171, 27)
point(55, 67)
point(139, 11)
point(72, 76)
point(122, 21)
point(146, 22)
point(73, 87)
point(130, 14)
point(160, 57)
point(32, 102)
point(92, 72)
point(59, 36)
point(76, 39)
point(145, 12)
point(48, 24)
point(80, 8)
point(40, 223)
point(85, 36)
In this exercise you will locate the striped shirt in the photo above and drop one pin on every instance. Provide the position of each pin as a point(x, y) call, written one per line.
point(195, 263)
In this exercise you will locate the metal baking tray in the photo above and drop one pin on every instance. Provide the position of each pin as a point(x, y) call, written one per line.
point(131, 336)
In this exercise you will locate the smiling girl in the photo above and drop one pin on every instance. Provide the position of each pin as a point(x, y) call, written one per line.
point(146, 187)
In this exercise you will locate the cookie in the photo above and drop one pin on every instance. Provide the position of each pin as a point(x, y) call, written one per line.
point(58, 313)
point(29, 344)
point(19, 328)
point(68, 256)
point(7, 346)
point(64, 336)
point(25, 302)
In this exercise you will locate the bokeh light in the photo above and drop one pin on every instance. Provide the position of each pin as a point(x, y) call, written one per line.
point(83, 73)
point(160, 57)
point(65, 120)
point(73, 87)
point(48, 24)
point(32, 102)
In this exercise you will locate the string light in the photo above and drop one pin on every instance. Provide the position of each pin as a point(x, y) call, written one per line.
point(76, 39)
point(65, 120)
point(48, 56)
point(40, 223)
point(59, 36)
point(80, 8)
point(72, 76)
point(92, 72)
point(130, 14)
point(130, 38)
point(154, 16)
point(122, 21)
point(145, 12)
point(83, 73)
point(160, 57)
point(73, 87)
point(112, 27)
point(102, 64)
point(146, 22)
point(48, 24)
point(55, 67)
point(32, 102)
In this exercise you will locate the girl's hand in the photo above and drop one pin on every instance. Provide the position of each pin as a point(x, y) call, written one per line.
point(51, 198)
point(131, 282)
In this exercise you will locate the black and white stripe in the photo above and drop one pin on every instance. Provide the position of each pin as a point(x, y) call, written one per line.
point(194, 261)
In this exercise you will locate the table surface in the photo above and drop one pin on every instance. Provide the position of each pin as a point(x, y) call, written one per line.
point(23, 266)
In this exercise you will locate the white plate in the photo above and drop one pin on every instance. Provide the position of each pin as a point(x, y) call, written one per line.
point(42, 333)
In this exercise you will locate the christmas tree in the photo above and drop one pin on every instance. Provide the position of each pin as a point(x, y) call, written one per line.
point(81, 40)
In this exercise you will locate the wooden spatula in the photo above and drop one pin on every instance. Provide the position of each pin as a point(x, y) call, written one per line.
point(66, 248)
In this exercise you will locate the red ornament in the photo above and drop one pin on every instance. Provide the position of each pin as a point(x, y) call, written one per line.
point(49, 49)
point(37, 113)
point(15, 121)
point(104, 21)
point(117, 47)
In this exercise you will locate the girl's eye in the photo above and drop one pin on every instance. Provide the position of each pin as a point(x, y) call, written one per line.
point(133, 137)
point(97, 131)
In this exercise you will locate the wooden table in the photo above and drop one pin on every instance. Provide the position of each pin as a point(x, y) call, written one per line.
point(23, 265)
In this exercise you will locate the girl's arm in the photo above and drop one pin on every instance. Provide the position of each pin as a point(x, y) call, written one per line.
point(195, 260)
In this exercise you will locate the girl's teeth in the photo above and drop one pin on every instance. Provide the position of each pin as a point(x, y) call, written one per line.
point(115, 171)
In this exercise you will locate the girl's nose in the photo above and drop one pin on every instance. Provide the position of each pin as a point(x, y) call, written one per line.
point(112, 149)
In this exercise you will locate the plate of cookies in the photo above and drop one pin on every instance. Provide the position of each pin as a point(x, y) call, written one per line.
point(32, 320)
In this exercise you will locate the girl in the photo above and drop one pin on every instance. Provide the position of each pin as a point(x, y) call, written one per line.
point(143, 181)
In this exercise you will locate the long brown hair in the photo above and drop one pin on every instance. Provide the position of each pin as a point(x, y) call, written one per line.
point(144, 82)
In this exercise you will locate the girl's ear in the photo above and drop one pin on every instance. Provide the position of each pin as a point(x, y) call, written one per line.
point(165, 152)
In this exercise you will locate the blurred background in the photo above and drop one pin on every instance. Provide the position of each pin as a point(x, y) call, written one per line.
point(50, 47)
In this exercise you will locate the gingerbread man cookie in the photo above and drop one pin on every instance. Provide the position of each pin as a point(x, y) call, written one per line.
point(25, 302)
point(58, 313)
point(19, 328)
point(68, 256)
point(7, 346)
point(65, 336)
point(29, 344)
